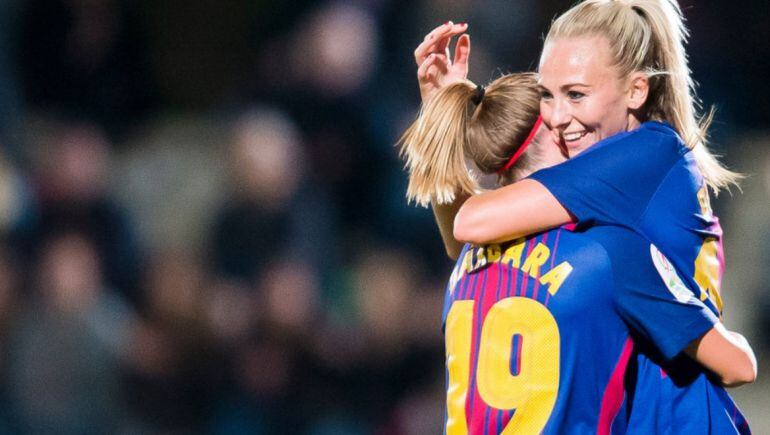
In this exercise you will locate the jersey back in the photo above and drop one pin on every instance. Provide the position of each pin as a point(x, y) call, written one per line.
point(533, 343)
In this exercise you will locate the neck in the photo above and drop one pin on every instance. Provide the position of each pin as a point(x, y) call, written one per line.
point(633, 122)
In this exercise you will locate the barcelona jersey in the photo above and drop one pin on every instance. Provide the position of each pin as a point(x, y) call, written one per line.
point(537, 338)
point(648, 181)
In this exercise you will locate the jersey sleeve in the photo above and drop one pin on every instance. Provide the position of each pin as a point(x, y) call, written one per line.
point(613, 182)
point(654, 301)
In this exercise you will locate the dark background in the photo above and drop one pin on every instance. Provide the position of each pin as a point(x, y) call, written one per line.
point(203, 219)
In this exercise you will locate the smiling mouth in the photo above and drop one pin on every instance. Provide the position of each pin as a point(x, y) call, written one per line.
point(573, 136)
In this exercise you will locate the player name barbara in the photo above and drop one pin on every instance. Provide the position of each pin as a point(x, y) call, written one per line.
point(533, 263)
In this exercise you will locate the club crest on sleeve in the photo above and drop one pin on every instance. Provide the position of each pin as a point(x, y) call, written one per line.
point(672, 280)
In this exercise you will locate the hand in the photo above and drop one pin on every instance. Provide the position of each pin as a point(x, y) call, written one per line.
point(435, 66)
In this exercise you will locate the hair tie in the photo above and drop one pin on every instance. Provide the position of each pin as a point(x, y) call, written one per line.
point(479, 95)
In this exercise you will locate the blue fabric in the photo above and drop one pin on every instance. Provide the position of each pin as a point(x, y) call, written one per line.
point(613, 283)
point(644, 299)
point(591, 336)
point(647, 181)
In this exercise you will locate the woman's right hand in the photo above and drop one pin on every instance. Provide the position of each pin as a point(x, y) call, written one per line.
point(435, 67)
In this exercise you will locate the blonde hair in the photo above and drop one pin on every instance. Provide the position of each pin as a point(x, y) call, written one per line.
point(451, 128)
point(649, 36)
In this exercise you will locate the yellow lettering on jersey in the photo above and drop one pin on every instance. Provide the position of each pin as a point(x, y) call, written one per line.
point(480, 256)
point(704, 201)
point(555, 278)
point(457, 273)
point(493, 253)
point(512, 255)
point(468, 261)
point(536, 259)
point(707, 268)
point(533, 391)
point(459, 326)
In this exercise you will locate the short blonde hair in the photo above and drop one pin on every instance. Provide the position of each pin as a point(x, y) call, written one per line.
point(649, 36)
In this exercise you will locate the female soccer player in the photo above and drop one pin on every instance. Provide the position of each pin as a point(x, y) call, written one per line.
point(576, 103)
point(454, 126)
point(612, 67)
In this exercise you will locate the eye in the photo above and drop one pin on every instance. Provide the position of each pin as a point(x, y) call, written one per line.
point(545, 95)
point(575, 95)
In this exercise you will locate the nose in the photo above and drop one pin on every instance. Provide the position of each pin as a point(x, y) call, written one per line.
point(560, 114)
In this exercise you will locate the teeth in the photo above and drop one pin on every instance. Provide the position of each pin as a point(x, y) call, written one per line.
point(573, 136)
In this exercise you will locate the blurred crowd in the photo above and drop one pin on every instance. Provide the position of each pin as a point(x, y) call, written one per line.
point(202, 223)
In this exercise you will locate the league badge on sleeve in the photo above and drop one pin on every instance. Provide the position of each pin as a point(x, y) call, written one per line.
point(672, 280)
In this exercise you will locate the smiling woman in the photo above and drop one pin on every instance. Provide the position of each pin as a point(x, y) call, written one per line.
point(606, 68)
point(617, 95)
point(582, 101)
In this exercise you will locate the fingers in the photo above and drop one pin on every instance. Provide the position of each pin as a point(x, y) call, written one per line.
point(437, 40)
point(431, 66)
point(462, 52)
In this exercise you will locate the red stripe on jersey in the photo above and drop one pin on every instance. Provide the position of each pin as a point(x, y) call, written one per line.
point(613, 393)
point(525, 276)
point(540, 269)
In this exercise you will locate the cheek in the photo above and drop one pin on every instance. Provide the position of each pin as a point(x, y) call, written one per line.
point(601, 114)
point(545, 112)
point(589, 114)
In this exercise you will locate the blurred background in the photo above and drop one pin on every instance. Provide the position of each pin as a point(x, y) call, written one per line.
point(202, 217)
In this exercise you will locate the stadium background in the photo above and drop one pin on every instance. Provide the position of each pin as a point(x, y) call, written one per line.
point(202, 214)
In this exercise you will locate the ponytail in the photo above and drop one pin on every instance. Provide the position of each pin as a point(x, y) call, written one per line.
point(434, 147)
point(461, 123)
point(678, 103)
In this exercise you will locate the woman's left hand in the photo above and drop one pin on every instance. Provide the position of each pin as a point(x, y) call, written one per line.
point(436, 69)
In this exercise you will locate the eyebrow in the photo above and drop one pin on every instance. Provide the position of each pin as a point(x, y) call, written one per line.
point(541, 87)
point(569, 85)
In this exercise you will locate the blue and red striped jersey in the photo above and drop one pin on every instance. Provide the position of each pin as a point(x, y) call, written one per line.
point(537, 338)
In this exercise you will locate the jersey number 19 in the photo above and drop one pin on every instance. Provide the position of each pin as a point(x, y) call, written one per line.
point(532, 390)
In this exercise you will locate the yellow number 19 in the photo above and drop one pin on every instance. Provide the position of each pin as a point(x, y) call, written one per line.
point(532, 392)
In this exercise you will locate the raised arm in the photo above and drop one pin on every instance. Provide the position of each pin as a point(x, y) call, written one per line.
point(435, 70)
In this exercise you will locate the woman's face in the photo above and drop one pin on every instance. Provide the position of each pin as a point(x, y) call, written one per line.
point(583, 99)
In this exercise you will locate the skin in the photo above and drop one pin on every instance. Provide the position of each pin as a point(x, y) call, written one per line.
point(549, 155)
point(584, 100)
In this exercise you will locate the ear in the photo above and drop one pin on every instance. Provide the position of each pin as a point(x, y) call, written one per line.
point(638, 89)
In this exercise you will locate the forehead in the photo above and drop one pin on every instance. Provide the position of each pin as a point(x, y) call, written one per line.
point(575, 60)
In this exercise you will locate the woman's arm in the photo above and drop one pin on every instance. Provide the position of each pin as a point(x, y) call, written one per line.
point(436, 70)
point(727, 354)
point(519, 209)
point(445, 216)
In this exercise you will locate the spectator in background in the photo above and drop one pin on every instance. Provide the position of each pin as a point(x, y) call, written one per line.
point(331, 57)
point(63, 371)
point(73, 166)
point(171, 365)
point(271, 368)
point(270, 211)
point(365, 365)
